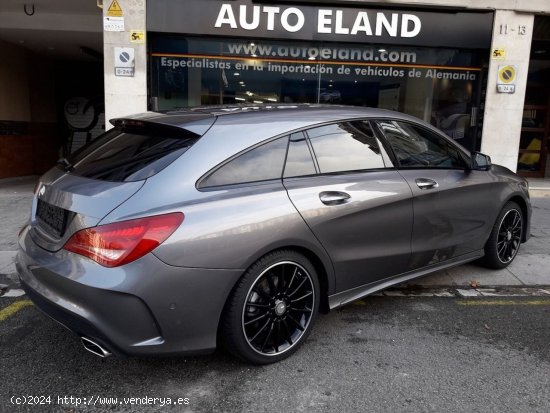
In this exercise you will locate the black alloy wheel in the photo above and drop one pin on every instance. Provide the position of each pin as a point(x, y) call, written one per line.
point(276, 303)
point(506, 236)
point(509, 236)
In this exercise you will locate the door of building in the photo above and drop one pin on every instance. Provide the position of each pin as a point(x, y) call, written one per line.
point(535, 127)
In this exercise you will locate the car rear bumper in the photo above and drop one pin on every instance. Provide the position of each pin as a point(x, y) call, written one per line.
point(144, 308)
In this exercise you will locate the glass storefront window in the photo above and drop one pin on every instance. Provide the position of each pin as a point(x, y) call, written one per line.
point(534, 143)
point(435, 84)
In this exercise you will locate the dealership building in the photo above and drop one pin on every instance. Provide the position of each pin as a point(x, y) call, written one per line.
point(479, 71)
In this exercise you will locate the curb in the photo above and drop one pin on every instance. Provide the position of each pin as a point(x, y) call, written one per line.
point(539, 192)
point(465, 292)
point(441, 292)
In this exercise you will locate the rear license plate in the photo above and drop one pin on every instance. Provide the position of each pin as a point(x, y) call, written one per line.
point(54, 217)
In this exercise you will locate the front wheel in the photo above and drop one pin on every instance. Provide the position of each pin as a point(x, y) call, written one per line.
point(272, 309)
point(503, 243)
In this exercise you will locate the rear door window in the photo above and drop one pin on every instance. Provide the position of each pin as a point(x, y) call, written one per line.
point(348, 146)
point(130, 155)
point(262, 163)
point(299, 161)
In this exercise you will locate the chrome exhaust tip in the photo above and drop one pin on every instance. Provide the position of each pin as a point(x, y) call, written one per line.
point(94, 348)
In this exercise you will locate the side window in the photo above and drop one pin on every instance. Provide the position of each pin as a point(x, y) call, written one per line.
point(298, 161)
point(416, 147)
point(259, 164)
point(346, 146)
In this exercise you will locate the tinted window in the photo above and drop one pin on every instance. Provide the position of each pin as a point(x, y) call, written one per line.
point(121, 155)
point(258, 164)
point(346, 147)
point(298, 161)
point(416, 147)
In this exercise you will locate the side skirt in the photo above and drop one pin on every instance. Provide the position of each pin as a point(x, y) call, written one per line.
point(345, 297)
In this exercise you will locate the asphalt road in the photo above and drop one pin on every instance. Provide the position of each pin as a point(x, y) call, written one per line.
point(383, 354)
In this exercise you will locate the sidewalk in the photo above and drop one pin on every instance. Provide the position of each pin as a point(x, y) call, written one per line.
point(531, 267)
point(15, 206)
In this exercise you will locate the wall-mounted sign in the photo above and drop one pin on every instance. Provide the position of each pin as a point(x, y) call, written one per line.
point(506, 79)
point(322, 22)
point(124, 61)
point(79, 113)
point(508, 29)
point(292, 19)
point(498, 53)
point(114, 9)
point(113, 24)
point(137, 36)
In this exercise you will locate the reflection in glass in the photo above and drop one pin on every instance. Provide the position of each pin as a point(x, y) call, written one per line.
point(258, 164)
point(298, 161)
point(344, 147)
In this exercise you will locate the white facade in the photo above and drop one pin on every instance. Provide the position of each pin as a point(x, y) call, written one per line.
point(125, 95)
point(504, 112)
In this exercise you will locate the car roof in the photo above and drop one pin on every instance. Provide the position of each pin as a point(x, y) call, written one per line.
point(307, 114)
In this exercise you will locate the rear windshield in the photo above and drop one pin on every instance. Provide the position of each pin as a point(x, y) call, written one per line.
point(123, 155)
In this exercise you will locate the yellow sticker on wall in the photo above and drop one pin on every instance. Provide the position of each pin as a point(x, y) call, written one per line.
point(498, 53)
point(137, 36)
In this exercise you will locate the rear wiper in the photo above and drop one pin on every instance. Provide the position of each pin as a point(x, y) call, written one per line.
point(65, 164)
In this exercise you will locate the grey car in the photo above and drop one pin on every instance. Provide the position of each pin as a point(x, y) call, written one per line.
point(175, 232)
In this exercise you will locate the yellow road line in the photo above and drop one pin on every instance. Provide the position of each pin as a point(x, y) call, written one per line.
point(476, 302)
point(13, 308)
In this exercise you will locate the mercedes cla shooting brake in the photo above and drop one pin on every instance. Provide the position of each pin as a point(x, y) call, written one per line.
point(174, 232)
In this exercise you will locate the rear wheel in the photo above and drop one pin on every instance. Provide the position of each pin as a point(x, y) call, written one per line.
point(505, 239)
point(272, 309)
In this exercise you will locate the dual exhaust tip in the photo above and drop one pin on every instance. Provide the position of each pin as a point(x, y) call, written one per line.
point(95, 348)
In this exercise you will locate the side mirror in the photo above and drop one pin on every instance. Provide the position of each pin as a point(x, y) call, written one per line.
point(480, 162)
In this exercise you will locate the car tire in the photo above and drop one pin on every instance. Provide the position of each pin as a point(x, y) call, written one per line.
point(272, 309)
point(503, 244)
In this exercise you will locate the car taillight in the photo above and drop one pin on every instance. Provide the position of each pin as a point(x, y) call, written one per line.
point(116, 244)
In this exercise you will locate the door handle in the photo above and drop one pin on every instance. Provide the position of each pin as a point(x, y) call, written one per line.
point(334, 197)
point(425, 183)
